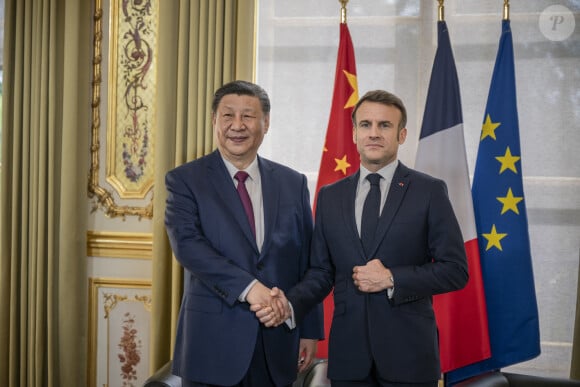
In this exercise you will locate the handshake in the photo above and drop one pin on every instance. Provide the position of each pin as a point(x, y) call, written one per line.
point(270, 305)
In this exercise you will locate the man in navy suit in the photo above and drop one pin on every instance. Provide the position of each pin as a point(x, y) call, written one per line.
point(233, 258)
point(383, 330)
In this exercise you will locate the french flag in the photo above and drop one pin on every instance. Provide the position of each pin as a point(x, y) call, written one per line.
point(461, 315)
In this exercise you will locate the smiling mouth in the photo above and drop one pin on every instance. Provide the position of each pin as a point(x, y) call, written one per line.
point(238, 139)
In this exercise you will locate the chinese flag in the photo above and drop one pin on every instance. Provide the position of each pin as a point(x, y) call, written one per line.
point(339, 156)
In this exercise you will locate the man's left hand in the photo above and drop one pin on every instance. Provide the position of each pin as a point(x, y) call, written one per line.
point(372, 277)
point(308, 348)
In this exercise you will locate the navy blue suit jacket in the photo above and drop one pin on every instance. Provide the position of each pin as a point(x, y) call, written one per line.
point(419, 240)
point(211, 238)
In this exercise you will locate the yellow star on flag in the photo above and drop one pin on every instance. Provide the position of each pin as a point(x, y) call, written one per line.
point(341, 165)
point(352, 100)
point(508, 161)
point(510, 202)
point(493, 239)
point(488, 128)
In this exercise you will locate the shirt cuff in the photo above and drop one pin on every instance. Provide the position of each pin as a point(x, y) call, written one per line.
point(242, 297)
point(291, 322)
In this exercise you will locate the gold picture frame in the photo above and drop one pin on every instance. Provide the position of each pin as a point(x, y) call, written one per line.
point(119, 332)
point(131, 106)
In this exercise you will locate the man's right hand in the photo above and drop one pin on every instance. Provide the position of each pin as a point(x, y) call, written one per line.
point(271, 306)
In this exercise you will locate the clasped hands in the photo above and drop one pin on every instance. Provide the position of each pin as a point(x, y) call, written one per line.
point(270, 305)
point(272, 309)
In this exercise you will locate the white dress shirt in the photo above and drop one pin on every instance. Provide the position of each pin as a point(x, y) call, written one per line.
point(364, 186)
point(254, 186)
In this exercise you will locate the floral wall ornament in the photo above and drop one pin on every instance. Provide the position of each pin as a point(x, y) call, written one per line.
point(119, 325)
point(130, 346)
point(135, 64)
point(132, 97)
point(130, 109)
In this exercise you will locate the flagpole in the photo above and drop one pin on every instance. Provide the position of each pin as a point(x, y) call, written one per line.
point(343, 11)
point(441, 10)
point(506, 9)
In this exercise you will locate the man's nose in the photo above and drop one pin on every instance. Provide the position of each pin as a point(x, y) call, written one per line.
point(374, 131)
point(237, 122)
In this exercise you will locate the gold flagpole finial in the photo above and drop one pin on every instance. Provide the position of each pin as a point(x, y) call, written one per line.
point(506, 9)
point(441, 10)
point(343, 11)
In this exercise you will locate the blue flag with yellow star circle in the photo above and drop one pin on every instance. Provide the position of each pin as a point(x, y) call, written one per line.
point(502, 226)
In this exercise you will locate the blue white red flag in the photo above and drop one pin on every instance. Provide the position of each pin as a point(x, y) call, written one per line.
point(461, 315)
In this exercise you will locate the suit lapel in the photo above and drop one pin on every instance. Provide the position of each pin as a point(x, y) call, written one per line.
point(348, 210)
point(270, 199)
point(218, 175)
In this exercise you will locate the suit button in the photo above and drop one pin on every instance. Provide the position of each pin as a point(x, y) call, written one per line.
point(260, 266)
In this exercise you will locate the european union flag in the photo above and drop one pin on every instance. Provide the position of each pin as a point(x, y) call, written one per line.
point(502, 226)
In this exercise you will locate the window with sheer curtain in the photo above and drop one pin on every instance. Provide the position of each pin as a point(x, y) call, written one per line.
point(394, 43)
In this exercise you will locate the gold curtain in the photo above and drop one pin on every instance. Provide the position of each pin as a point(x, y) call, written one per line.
point(43, 184)
point(202, 44)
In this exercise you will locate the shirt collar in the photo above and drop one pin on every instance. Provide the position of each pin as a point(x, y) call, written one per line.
point(387, 172)
point(252, 170)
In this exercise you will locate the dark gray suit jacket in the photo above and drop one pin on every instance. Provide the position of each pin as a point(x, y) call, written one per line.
point(210, 236)
point(419, 240)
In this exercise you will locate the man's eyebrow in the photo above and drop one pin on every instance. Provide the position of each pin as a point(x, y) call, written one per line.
point(380, 122)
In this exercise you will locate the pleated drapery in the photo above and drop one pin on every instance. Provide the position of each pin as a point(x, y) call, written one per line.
point(44, 167)
point(45, 159)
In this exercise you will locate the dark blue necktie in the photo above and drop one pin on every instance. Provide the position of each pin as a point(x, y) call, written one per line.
point(370, 214)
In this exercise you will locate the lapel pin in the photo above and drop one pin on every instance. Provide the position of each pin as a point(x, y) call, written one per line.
point(401, 184)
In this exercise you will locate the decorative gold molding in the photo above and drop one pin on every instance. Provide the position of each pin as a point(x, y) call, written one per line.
point(104, 198)
point(111, 300)
point(132, 97)
point(119, 244)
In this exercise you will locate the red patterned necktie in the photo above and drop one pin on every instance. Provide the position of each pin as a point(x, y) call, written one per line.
point(241, 177)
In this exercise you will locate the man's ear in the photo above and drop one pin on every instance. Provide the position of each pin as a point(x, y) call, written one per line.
point(266, 123)
point(402, 136)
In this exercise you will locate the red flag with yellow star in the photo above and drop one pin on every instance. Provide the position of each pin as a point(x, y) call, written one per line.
point(339, 155)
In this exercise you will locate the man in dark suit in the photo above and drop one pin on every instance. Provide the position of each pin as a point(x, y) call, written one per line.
point(384, 274)
point(237, 236)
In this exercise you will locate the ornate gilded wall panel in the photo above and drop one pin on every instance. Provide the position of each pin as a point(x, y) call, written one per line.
point(130, 109)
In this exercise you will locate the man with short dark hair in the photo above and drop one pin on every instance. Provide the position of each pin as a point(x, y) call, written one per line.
point(240, 225)
point(387, 240)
